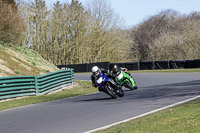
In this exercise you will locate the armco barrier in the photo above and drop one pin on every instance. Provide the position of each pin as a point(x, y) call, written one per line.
point(17, 86)
point(11, 87)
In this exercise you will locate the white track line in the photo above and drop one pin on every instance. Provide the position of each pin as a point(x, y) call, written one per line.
point(142, 115)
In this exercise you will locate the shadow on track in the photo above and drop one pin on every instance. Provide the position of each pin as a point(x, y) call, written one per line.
point(190, 88)
point(166, 91)
point(97, 99)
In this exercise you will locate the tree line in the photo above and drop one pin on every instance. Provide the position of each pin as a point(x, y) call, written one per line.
point(70, 33)
point(11, 24)
point(168, 36)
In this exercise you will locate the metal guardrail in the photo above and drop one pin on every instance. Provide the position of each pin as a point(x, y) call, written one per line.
point(18, 86)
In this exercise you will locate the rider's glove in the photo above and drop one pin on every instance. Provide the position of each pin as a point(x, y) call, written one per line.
point(94, 85)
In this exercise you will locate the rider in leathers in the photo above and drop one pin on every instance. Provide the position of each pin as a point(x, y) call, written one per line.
point(115, 71)
point(95, 73)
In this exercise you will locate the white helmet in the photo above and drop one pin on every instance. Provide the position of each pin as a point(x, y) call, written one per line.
point(95, 70)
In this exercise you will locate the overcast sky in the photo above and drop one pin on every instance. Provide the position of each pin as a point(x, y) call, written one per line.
point(135, 11)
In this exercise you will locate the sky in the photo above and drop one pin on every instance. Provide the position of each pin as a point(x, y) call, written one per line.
point(134, 12)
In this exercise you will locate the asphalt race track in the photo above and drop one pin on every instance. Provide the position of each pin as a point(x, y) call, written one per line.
point(84, 113)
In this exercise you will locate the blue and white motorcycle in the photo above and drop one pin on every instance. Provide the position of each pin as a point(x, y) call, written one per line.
point(109, 86)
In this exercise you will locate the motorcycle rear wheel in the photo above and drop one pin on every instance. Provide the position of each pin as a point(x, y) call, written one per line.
point(120, 92)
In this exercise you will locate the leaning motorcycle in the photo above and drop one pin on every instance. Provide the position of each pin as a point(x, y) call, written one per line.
point(126, 80)
point(109, 86)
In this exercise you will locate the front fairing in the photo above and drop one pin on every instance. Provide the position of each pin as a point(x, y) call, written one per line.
point(120, 77)
point(101, 78)
point(125, 78)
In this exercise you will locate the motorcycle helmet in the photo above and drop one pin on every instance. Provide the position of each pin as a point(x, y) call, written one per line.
point(115, 68)
point(95, 70)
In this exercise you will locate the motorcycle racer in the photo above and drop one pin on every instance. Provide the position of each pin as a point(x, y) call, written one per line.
point(115, 72)
point(116, 69)
point(102, 79)
point(95, 73)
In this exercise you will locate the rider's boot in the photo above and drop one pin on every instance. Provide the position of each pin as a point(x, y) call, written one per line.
point(100, 89)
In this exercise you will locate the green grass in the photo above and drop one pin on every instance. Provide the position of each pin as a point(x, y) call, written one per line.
point(33, 57)
point(22, 61)
point(81, 88)
point(181, 119)
point(17, 72)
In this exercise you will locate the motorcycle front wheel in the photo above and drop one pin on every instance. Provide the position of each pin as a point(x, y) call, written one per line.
point(110, 91)
point(128, 84)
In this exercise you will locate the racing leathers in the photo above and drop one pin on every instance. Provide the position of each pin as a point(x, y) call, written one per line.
point(94, 77)
point(115, 71)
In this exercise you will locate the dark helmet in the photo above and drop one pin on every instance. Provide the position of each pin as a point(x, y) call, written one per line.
point(115, 68)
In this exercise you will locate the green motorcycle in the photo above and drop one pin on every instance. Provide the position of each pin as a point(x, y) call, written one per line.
point(126, 80)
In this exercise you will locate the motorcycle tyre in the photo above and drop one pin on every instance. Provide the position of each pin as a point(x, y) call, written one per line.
point(120, 93)
point(110, 93)
point(128, 84)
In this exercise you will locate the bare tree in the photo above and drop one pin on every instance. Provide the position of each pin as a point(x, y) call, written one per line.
point(154, 27)
point(70, 33)
point(108, 40)
point(180, 44)
point(11, 25)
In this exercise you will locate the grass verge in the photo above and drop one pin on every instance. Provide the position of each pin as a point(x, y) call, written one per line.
point(181, 119)
point(80, 88)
